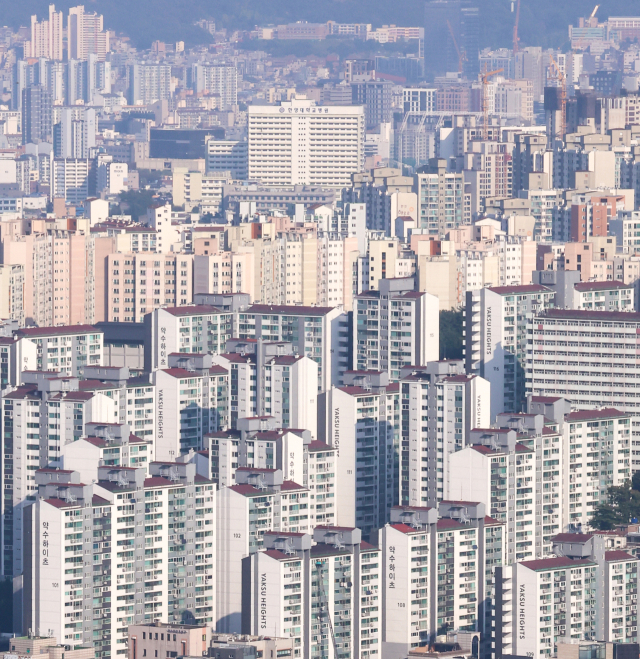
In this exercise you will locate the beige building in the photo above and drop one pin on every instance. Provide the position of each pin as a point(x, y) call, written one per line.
point(136, 284)
point(44, 647)
point(59, 275)
point(159, 639)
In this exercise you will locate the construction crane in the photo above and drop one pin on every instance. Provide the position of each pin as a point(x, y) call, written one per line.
point(485, 101)
point(562, 84)
point(515, 30)
point(325, 602)
point(462, 56)
point(595, 11)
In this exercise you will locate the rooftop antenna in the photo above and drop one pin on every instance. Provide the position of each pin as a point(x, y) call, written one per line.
point(173, 474)
point(69, 497)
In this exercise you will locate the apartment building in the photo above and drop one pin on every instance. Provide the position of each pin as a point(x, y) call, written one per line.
point(149, 83)
point(228, 156)
point(443, 201)
point(39, 418)
point(320, 333)
point(504, 469)
point(260, 501)
point(586, 356)
point(299, 143)
point(58, 275)
point(70, 180)
point(197, 190)
point(174, 560)
point(361, 419)
point(604, 296)
point(599, 457)
point(439, 565)
point(62, 350)
point(140, 283)
point(219, 80)
point(185, 329)
point(12, 293)
point(191, 401)
point(441, 405)
point(496, 339)
point(587, 592)
point(324, 590)
point(267, 379)
point(259, 443)
point(395, 327)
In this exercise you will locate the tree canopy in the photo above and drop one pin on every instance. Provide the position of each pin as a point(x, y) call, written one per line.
point(622, 505)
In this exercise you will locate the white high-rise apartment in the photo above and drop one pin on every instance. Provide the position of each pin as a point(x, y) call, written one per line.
point(228, 156)
point(439, 568)
point(504, 470)
point(259, 502)
point(147, 560)
point(149, 83)
point(323, 590)
point(586, 592)
point(187, 329)
point(38, 419)
point(441, 405)
point(219, 80)
point(301, 143)
point(46, 36)
point(496, 339)
point(395, 327)
point(86, 35)
point(191, 400)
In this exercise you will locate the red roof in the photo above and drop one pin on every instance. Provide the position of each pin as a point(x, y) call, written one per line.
point(192, 310)
point(520, 290)
point(600, 285)
point(619, 555)
point(63, 330)
point(587, 415)
point(582, 314)
point(555, 563)
point(289, 310)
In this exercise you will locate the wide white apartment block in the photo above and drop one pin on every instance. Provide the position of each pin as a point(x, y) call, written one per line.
point(323, 590)
point(588, 591)
point(260, 501)
point(441, 405)
point(320, 333)
point(191, 401)
point(148, 558)
point(394, 327)
point(496, 339)
point(505, 469)
point(228, 156)
point(438, 566)
point(604, 296)
point(63, 350)
point(38, 419)
point(590, 357)
point(301, 143)
point(185, 329)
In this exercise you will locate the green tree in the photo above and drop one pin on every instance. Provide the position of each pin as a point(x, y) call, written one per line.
point(451, 334)
point(136, 202)
point(622, 505)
